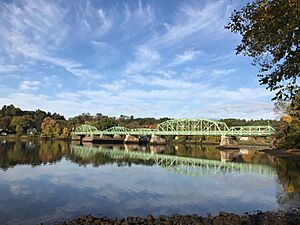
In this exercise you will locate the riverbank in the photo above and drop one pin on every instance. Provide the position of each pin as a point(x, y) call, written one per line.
point(286, 153)
point(14, 137)
point(291, 217)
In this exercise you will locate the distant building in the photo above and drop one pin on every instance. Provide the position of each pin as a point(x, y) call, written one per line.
point(3, 132)
point(31, 131)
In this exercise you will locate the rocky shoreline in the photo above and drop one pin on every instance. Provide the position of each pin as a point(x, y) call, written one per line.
point(291, 217)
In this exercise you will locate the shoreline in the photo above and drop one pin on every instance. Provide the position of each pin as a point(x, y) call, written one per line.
point(285, 153)
point(290, 217)
point(26, 137)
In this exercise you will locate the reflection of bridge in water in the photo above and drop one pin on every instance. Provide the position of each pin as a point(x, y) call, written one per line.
point(183, 165)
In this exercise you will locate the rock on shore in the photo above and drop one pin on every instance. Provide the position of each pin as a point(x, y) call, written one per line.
point(260, 218)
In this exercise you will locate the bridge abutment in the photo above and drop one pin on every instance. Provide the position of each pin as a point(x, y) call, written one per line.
point(156, 140)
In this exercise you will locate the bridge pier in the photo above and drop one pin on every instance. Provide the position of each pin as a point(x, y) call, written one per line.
point(157, 149)
point(228, 142)
point(88, 138)
point(228, 156)
point(129, 139)
point(156, 140)
point(102, 139)
point(76, 138)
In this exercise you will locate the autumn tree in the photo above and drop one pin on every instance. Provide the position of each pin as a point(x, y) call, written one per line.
point(288, 135)
point(54, 128)
point(48, 127)
point(270, 31)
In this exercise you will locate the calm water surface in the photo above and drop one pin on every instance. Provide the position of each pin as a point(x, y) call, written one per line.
point(52, 181)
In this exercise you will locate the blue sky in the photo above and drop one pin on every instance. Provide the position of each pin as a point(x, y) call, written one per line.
point(142, 58)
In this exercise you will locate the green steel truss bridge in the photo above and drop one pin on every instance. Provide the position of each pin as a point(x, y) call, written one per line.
point(182, 165)
point(181, 127)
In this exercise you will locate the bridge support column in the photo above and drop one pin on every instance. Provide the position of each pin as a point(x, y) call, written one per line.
point(88, 138)
point(228, 142)
point(76, 138)
point(129, 139)
point(156, 140)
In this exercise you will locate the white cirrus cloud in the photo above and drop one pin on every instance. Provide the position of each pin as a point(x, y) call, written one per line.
point(29, 85)
point(144, 59)
point(40, 34)
point(187, 56)
point(194, 21)
point(221, 72)
point(9, 68)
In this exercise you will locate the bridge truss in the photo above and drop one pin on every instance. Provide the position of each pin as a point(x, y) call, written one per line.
point(182, 127)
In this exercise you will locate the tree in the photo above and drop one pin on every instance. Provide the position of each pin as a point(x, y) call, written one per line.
point(104, 122)
point(48, 127)
point(5, 122)
point(270, 32)
point(288, 135)
point(65, 132)
point(54, 128)
point(21, 123)
point(39, 116)
point(10, 110)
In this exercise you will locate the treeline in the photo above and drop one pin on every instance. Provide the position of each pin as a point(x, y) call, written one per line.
point(103, 122)
point(13, 120)
point(16, 121)
point(242, 122)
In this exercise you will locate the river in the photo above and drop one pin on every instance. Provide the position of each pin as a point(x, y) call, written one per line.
point(49, 181)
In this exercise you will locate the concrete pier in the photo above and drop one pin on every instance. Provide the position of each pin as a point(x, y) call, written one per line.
point(156, 140)
point(129, 139)
point(88, 139)
point(228, 142)
point(103, 139)
point(76, 138)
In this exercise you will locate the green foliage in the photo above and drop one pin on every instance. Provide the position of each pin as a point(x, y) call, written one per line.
point(292, 139)
point(21, 123)
point(81, 119)
point(242, 122)
point(10, 110)
point(271, 36)
point(104, 122)
point(289, 129)
point(15, 120)
point(132, 122)
point(5, 122)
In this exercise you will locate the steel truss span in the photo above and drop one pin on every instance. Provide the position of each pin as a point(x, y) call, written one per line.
point(181, 127)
